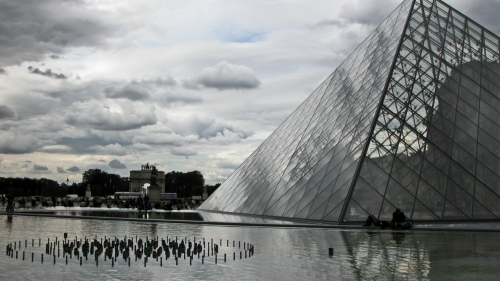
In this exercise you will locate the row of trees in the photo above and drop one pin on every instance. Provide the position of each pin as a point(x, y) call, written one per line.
point(103, 184)
point(187, 184)
point(31, 187)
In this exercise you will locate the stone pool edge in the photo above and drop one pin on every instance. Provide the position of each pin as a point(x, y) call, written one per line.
point(290, 225)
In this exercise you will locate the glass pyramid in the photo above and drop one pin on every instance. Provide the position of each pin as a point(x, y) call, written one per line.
point(411, 119)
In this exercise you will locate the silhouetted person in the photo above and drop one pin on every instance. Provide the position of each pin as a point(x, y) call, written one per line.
point(139, 203)
point(399, 220)
point(10, 202)
point(146, 202)
point(373, 220)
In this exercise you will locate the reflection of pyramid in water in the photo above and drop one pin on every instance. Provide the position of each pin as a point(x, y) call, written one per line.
point(410, 119)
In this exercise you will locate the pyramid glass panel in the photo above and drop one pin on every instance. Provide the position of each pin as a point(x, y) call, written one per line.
point(411, 119)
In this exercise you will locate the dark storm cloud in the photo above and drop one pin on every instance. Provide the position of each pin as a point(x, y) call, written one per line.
point(83, 145)
point(32, 28)
point(105, 124)
point(130, 92)
point(61, 170)
point(224, 76)
point(66, 95)
point(73, 169)
point(54, 57)
point(117, 164)
point(47, 73)
point(172, 99)
point(2, 71)
point(40, 168)
point(6, 112)
point(14, 143)
point(139, 89)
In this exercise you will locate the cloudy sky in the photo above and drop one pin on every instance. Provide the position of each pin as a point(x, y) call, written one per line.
point(183, 84)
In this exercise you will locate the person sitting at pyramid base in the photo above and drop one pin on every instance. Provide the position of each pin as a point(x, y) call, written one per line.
point(399, 220)
point(373, 220)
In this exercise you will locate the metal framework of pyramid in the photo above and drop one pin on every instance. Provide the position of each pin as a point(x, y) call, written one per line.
point(411, 119)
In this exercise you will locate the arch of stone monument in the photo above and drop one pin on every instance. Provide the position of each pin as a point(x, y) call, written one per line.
point(140, 177)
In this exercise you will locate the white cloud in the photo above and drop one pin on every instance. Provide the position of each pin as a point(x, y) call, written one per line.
point(123, 117)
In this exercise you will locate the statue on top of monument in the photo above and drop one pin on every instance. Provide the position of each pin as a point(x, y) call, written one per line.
point(154, 175)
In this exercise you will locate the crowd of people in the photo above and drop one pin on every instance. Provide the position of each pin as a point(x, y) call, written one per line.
point(36, 201)
point(139, 203)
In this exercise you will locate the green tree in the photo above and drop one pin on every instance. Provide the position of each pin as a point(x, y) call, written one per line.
point(212, 188)
point(102, 183)
point(184, 184)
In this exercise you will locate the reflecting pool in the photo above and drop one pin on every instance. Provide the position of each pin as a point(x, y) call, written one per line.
point(281, 253)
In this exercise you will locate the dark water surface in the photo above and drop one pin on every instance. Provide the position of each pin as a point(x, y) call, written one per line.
point(280, 253)
point(187, 215)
